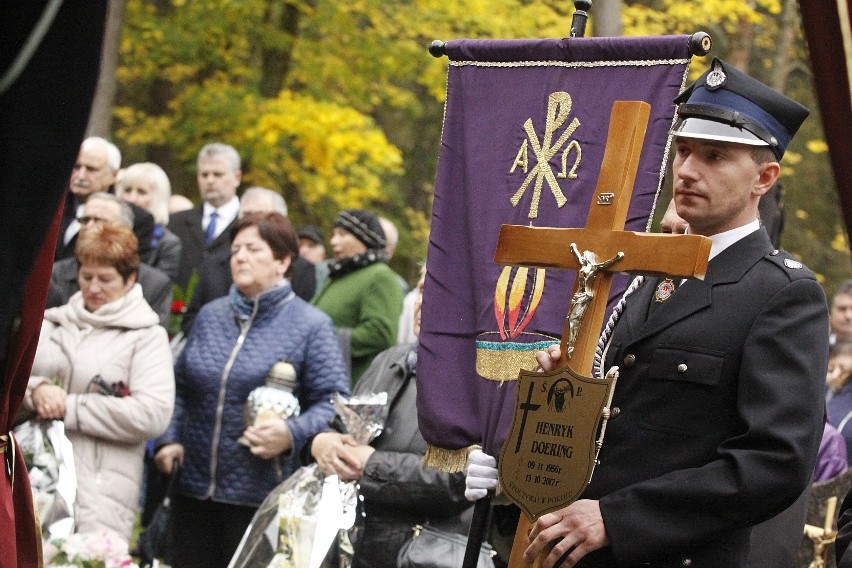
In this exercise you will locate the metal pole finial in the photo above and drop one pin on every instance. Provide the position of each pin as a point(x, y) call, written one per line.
point(437, 48)
point(700, 43)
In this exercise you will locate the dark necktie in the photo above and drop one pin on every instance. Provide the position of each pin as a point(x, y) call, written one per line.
point(210, 234)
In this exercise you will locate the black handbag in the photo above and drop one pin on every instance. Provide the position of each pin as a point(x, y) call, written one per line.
point(156, 541)
point(430, 547)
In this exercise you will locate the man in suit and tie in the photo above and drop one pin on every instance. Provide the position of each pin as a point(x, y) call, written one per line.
point(95, 170)
point(717, 414)
point(205, 228)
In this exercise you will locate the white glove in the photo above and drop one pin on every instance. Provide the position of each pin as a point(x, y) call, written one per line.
point(481, 475)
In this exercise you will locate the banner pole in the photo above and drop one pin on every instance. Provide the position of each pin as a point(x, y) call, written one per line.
point(581, 16)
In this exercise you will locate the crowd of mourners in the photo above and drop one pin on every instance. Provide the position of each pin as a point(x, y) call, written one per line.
point(265, 301)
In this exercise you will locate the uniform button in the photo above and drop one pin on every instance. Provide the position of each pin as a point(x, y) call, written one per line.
point(613, 412)
point(629, 360)
point(686, 561)
point(682, 368)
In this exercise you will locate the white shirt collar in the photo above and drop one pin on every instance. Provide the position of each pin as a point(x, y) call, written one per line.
point(723, 240)
point(224, 214)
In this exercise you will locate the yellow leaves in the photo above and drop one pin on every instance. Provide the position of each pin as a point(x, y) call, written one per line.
point(801, 214)
point(138, 128)
point(178, 72)
point(688, 16)
point(792, 158)
point(326, 150)
point(840, 243)
point(817, 146)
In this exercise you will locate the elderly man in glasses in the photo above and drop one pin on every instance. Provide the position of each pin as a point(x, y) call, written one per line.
point(107, 208)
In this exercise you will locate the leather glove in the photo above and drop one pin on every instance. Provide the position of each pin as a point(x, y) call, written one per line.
point(481, 475)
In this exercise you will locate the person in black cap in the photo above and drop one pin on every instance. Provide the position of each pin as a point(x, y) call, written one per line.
point(361, 293)
point(311, 244)
point(717, 414)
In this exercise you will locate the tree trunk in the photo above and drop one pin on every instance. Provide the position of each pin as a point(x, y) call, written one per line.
point(741, 43)
point(781, 62)
point(606, 18)
point(100, 121)
point(276, 59)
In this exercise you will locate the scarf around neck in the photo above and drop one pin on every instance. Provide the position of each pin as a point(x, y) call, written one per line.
point(342, 267)
point(244, 307)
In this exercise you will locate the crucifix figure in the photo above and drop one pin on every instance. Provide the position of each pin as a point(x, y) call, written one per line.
point(603, 237)
point(589, 268)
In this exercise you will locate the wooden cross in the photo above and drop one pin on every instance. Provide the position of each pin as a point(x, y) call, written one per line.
point(604, 236)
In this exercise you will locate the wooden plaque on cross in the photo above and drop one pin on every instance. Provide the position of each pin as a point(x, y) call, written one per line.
point(597, 251)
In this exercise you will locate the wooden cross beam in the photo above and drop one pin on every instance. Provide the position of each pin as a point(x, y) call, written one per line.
point(604, 236)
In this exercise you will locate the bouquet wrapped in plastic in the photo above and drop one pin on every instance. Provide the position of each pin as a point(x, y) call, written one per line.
point(300, 519)
point(50, 465)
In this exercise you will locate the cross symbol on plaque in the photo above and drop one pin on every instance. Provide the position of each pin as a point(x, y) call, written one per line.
point(607, 246)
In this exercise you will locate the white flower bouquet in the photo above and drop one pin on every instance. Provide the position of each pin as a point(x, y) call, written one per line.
point(300, 519)
point(101, 549)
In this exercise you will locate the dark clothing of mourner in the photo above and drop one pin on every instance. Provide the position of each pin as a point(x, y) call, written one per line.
point(709, 439)
point(214, 281)
point(143, 228)
point(844, 533)
point(772, 213)
point(187, 226)
point(165, 251)
point(839, 408)
point(398, 491)
point(156, 287)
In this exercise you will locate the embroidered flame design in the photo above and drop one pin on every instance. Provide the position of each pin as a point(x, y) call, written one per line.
point(512, 313)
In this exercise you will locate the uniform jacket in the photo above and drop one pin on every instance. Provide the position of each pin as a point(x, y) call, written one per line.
point(121, 341)
point(398, 490)
point(156, 287)
point(365, 305)
point(223, 361)
point(187, 226)
point(720, 402)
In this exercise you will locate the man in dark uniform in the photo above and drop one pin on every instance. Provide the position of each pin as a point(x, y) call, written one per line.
point(719, 401)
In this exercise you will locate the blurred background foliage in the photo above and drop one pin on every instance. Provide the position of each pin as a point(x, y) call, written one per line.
point(338, 104)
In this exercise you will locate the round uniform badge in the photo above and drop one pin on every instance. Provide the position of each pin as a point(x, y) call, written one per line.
point(665, 289)
point(715, 79)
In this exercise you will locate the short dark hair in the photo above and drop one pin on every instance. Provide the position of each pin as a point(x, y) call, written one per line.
point(276, 230)
point(763, 155)
point(845, 289)
point(109, 245)
point(840, 348)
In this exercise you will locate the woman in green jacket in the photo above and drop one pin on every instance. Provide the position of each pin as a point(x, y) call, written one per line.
point(361, 293)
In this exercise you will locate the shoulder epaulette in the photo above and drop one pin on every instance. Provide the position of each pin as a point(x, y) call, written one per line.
point(789, 265)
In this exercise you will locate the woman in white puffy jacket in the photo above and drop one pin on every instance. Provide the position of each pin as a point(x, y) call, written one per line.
point(104, 367)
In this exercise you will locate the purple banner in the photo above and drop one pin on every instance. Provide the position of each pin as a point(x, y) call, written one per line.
point(524, 133)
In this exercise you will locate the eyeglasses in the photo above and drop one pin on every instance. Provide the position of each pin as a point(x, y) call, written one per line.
point(86, 219)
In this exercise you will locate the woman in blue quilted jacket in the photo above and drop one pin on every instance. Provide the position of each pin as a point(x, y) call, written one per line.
point(234, 343)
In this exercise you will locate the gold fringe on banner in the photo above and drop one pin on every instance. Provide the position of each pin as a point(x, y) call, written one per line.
point(449, 461)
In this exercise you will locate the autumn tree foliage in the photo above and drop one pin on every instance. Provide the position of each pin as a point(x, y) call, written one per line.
point(338, 104)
